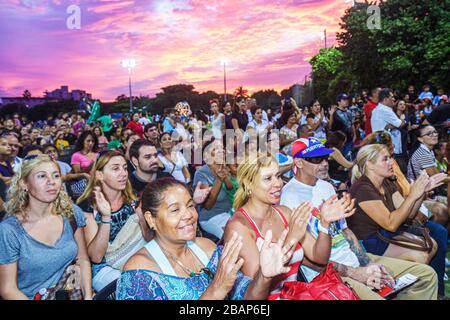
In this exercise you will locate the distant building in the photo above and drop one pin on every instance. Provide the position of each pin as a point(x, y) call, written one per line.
point(54, 96)
point(64, 94)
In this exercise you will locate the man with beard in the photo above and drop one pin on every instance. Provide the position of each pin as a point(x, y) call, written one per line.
point(151, 132)
point(144, 156)
point(363, 271)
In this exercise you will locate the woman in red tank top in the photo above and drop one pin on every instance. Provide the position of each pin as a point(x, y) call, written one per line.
point(257, 212)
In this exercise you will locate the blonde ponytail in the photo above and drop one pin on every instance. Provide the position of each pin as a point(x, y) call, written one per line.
point(367, 153)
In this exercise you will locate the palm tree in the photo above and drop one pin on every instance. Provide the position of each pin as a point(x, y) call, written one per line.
point(240, 92)
point(26, 94)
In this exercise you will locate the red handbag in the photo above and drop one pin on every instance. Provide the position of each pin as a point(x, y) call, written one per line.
point(326, 286)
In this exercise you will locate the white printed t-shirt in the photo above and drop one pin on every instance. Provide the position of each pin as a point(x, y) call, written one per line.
point(295, 192)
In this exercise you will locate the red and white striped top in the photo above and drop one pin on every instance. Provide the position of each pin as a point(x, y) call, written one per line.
point(294, 264)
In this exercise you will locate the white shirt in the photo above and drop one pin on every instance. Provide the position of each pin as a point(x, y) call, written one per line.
point(382, 116)
point(216, 125)
point(295, 193)
point(259, 127)
point(176, 170)
point(144, 121)
point(182, 132)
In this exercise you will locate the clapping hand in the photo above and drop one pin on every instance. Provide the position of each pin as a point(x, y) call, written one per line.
point(222, 172)
point(334, 210)
point(274, 256)
point(418, 188)
point(201, 192)
point(299, 221)
point(435, 181)
point(333, 109)
point(228, 267)
point(101, 204)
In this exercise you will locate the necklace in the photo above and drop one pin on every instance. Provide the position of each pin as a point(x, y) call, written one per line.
point(190, 272)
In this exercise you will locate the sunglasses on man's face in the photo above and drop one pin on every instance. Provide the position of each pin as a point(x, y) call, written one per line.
point(316, 160)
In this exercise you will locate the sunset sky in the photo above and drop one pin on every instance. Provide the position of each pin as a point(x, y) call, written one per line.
point(268, 44)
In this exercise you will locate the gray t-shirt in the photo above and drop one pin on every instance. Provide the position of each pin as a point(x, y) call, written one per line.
point(205, 176)
point(38, 265)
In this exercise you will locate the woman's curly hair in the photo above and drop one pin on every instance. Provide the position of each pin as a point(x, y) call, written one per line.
point(18, 198)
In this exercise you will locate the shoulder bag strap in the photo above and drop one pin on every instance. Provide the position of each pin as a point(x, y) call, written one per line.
point(414, 245)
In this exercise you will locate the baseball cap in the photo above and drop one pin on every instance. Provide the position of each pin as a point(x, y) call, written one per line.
point(342, 96)
point(309, 148)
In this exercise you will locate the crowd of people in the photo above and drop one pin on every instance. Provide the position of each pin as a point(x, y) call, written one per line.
point(233, 201)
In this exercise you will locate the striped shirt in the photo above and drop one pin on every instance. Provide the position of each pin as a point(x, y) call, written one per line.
point(421, 159)
point(294, 263)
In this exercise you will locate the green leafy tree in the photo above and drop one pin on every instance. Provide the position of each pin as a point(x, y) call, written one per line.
point(411, 47)
point(267, 98)
point(325, 68)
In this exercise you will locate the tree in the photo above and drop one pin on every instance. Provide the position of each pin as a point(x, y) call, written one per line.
point(240, 92)
point(122, 97)
point(267, 98)
point(12, 108)
point(412, 47)
point(43, 110)
point(26, 94)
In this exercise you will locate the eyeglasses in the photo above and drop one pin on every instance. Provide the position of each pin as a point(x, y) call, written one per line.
point(431, 133)
point(316, 160)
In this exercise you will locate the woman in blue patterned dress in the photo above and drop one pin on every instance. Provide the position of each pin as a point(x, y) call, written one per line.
point(176, 265)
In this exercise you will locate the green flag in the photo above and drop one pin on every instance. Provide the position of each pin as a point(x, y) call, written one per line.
point(106, 122)
point(95, 113)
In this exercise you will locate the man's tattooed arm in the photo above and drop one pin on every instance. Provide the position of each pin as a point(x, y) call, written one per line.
point(342, 269)
point(360, 253)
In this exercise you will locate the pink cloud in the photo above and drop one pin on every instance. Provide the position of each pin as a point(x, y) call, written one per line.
point(174, 41)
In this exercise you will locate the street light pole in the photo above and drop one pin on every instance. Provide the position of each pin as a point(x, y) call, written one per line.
point(129, 84)
point(225, 81)
point(129, 64)
point(224, 61)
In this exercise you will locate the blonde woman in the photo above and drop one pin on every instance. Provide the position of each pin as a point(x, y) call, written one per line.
point(381, 207)
point(42, 234)
point(257, 212)
point(113, 232)
point(438, 210)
